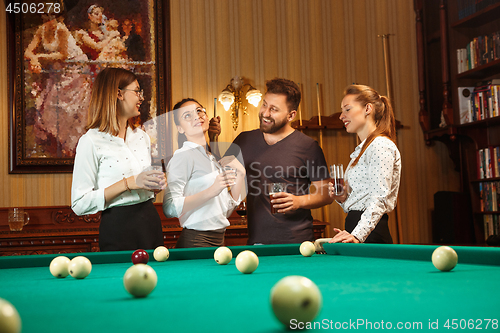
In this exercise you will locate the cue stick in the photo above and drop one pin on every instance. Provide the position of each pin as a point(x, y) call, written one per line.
point(163, 168)
point(387, 65)
point(319, 117)
point(215, 139)
point(323, 208)
point(300, 109)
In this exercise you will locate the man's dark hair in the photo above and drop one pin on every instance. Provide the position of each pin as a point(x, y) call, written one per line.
point(285, 87)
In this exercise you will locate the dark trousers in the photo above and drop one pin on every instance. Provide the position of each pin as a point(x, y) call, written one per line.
point(380, 234)
point(196, 238)
point(130, 227)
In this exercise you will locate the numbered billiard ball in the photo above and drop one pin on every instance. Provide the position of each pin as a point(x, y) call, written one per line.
point(295, 297)
point(247, 262)
point(161, 253)
point(79, 267)
point(140, 257)
point(10, 321)
point(59, 267)
point(140, 280)
point(223, 255)
point(444, 258)
point(307, 249)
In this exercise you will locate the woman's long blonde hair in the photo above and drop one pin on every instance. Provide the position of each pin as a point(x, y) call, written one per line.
point(385, 121)
point(103, 109)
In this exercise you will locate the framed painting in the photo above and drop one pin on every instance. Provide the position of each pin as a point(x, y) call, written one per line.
point(55, 50)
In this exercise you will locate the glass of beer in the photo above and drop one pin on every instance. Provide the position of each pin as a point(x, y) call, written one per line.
point(18, 218)
point(272, 189)
point(160, 168)
point(227, 169)
point(337, 178)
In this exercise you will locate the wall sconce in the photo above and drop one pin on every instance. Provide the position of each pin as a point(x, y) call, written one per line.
point(231, 98)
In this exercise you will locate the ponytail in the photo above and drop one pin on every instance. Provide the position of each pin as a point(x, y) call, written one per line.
point(385, 122)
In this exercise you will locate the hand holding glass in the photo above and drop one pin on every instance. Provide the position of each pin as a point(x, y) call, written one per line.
point(160, 174)
point(337, 178)
point(228, 170)
point(274, 188)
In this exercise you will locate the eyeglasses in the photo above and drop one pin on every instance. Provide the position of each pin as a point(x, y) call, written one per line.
point(139, 93)
point(189, 116)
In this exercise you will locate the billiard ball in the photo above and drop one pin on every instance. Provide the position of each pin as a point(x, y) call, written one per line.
point(247, 262)
point(140, 257)
point(10, 322)
point(295, 297)
point(307, 249)
point(223, 255)
point(140, 280)
point(59, 267)
point(161, 253)
point(79, 267)
point(444, 258)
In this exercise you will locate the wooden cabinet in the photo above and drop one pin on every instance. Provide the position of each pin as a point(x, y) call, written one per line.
point(59, 230)
point(441, 30)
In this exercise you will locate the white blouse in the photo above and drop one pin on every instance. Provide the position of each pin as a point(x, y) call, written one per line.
point(103, 159)
point(373, 184)
point(190, 171)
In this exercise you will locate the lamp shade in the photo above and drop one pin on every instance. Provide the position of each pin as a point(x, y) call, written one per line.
point(226, 98)
point(253, 97)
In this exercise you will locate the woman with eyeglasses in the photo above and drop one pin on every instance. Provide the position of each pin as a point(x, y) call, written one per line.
point(199, 192)
point(109, 172)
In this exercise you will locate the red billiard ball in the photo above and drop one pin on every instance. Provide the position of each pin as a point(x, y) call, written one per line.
point(140, 257)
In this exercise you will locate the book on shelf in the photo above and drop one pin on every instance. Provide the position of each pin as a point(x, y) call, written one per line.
point(479, 51)
point(469, 7)
point(489, 193)
point(491, 227)
point(465, 104)
point(488, 162)
point(479, 103)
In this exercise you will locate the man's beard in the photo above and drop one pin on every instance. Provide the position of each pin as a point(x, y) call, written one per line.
point(275, 126)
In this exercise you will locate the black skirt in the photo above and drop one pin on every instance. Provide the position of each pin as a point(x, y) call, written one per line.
point(130, 228)
point(380, 234)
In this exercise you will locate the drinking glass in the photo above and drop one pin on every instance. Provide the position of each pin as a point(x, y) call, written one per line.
point(18, 218)
point(272, 189)
point(337, 178)
point(227, 169)
point(241, 210)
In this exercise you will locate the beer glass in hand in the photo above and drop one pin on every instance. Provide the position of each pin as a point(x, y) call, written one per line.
point(337, 178)
point(274, 188)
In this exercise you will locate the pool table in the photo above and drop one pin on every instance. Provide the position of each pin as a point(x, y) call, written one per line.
point(364, 287)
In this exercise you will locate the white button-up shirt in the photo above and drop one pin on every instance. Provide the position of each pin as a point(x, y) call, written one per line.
point(190, 171)
point(373, 184)
point(103, 159)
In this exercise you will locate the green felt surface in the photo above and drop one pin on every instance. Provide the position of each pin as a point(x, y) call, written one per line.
point(198, 295)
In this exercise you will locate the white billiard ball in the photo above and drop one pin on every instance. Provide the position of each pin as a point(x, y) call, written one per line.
point(79, 267)
point(161, 253)
point(10, 321)
point(140, 280)
point(444, 258)
point(295, 297)
point(59, 266)
point(247, 262)
point(223, 255)
point(307, 249)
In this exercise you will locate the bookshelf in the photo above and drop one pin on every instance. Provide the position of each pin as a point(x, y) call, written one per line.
point(442, 29)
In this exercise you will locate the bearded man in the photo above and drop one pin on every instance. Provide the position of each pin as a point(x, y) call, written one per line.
point(277, 153)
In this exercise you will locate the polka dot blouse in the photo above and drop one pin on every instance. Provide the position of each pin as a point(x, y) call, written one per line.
point(102, 160)
point(373, 184)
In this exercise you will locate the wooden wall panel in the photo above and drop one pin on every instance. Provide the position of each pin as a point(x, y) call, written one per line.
point(331, 42)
